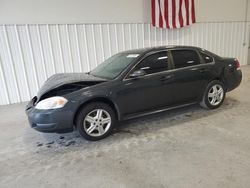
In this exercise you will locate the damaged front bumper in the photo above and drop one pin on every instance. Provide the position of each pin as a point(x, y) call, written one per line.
point(53, 120)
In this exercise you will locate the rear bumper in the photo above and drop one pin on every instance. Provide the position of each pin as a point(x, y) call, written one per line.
point(234, 80)
point(54, 120)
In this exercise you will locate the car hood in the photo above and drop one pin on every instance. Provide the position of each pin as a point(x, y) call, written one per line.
point(61, 79)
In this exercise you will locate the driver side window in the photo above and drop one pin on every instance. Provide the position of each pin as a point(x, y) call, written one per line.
point(154, 63)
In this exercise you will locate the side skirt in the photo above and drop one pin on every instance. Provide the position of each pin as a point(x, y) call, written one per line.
point(156, 111)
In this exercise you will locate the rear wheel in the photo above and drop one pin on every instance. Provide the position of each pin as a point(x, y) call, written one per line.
point(95, 121)
point(214, 95)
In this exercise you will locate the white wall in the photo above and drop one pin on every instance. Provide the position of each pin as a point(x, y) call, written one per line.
point(108, 11)
point(74, 11)
point(29, 54)
point(220, 10)
point(78, 35)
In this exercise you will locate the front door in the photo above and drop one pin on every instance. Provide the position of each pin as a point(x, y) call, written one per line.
point(148, 92)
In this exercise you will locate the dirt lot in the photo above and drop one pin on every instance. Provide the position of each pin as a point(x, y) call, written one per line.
point(188, 147)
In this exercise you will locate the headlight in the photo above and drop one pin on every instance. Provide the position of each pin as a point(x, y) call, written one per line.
point(51, 103)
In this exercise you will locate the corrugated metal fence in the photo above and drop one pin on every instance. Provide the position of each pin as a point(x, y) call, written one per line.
point(30, 53)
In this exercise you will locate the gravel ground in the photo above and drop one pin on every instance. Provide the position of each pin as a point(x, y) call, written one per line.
point(188, 147)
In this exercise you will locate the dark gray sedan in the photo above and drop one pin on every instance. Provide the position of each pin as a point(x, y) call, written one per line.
point(131, 84)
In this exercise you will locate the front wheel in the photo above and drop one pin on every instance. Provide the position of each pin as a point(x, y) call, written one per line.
point(214, 95)
point(95, 121)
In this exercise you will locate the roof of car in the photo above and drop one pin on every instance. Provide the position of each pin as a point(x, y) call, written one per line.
point(143, 51)
point(151, 49)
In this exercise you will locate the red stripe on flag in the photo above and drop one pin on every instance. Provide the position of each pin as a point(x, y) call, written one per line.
point(193, 12)
point(160, 15)
point(187, 11)
point(153, 11)
point(173, 14)
point(166, 13)
point(180, 14)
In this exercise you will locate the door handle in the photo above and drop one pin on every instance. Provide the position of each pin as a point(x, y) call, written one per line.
point(165, 78)
point(190, 62)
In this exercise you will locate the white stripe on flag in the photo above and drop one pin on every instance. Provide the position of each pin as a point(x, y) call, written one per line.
point(157, 14)
point(170, 13)
point(162, 13)
point(183, 10)
point(177, 13)
point(190, 11)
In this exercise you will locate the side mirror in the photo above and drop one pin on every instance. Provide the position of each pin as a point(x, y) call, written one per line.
point(137, 73)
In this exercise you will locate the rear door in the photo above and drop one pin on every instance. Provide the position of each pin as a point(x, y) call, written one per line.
point(190, 75)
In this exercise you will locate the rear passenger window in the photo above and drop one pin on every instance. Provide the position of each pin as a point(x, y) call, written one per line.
point(206, 58)
point(185, 58)
point(154, 63)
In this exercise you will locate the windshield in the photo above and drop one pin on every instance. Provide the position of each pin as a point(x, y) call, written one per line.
point(114, 65)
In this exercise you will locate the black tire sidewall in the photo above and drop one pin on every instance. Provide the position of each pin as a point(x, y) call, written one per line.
point(205, 97)
point(88, 108)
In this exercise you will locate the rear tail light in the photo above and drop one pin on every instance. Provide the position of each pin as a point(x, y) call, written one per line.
point(237, 64)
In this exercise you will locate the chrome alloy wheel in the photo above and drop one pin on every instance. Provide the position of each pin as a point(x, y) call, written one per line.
point(97, 122)
point(215, 95)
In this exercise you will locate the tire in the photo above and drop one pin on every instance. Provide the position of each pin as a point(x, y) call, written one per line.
point(214, 95)
point(92, 117)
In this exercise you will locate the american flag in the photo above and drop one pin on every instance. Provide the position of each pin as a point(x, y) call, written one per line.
point(172, 13)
